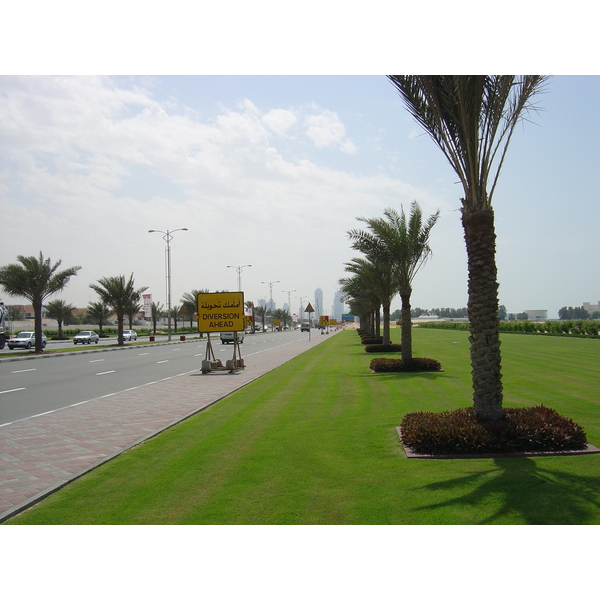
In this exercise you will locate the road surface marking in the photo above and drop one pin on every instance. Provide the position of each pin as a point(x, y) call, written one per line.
point(15, 390)
point(97, 360)
point(24, 370)
point(161, 361)
point(105, 373)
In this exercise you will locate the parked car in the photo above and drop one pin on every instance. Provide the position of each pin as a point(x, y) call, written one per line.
point(25, 339)
point(129, 335)
point(227, 337)
point(86, 337)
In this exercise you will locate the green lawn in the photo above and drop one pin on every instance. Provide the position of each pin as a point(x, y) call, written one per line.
point(314, 442)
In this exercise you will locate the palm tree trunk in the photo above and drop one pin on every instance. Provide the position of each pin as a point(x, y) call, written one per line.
point(37, 315)
point(480, 239)
point(406, 326)
point(386, 324)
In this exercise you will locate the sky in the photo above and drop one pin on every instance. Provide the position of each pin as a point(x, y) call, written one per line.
point(271, 169)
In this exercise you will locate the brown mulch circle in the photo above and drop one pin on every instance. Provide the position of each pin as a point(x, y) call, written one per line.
point(410, 453)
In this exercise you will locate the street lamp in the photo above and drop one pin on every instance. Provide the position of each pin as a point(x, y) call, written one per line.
point(270, 284)
point(239, 272)
point(288, 292)
point(168, 236)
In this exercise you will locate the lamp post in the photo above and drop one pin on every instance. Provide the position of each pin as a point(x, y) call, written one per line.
point(270, 284)
point(301, 311)
point(288, 292)
point(168, 236)
point(239, 272)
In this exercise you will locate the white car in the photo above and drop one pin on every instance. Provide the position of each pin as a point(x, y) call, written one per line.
point(129, 335)
point(86, 337)
point(25, 339)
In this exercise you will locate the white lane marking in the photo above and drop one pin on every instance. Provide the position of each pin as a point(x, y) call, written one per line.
point(144, 354)
point(79, 403)
point(14, 390)
point(175, 349)
point(97, 360)
point(105, 372)
point(161, 361)
point(23, 370)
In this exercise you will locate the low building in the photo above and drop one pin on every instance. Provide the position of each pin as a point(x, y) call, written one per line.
point(536, 315)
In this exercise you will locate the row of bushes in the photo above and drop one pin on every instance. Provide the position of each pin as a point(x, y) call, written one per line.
point(588, 328)
point(394, 365)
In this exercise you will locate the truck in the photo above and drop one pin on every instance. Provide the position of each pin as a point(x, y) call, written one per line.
point(228, 337)
point(3, 325)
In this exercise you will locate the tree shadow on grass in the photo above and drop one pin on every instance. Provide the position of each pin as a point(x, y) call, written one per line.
point(524, 493)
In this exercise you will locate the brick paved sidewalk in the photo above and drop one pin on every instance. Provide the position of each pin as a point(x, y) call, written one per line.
point(41, 454)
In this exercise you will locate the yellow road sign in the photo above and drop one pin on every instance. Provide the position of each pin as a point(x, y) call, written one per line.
point(221, 311)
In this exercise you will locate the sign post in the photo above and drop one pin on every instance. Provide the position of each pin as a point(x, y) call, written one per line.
point(309, 309)
point(218, 312)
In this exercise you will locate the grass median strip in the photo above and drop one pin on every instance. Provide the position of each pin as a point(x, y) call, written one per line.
point(314, 442)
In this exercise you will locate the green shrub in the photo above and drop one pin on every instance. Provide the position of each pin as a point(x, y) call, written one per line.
point(399, 365)
point(371, 340)
point(534, 429)
point(383, 348)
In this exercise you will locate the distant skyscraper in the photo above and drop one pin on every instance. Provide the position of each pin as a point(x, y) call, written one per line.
point(338, 306)
point(318, 303)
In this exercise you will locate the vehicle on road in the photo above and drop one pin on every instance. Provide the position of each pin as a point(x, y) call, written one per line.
point(305, 327)
point(129, 335)
point(228, 337)
point(86, 337)
point(3, 323)
point(25, 339)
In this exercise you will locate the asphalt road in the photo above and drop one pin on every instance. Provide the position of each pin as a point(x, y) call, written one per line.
point(34, 386)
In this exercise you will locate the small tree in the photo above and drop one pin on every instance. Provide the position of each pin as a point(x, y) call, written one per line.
point(404, 244)
point(98, 312)
point(157, 311)
point(119, 294)
point(61, 312)
point(35, 279)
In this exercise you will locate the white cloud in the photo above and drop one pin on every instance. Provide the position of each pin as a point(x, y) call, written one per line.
point(326, 129)
point(279, 120)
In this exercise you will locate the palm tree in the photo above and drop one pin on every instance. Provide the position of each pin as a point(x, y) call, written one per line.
point(379, 279)
point(282, 315)
point(189, 303)
point(157, 310)
point(35, 279)
point(403, 244)
point(471, 118)
point(98, 312)
point(250, 306)
point(175, 314)
point(262, 312)
point(61, 311)
point(362, 302)
point(119, 294)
